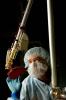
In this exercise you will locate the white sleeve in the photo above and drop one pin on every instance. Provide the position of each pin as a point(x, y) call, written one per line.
point(10, 98)
point(23, 90)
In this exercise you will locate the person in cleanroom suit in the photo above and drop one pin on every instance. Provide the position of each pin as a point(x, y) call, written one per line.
point(36, 85)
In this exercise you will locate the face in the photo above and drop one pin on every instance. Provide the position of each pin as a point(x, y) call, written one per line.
point(37, 66)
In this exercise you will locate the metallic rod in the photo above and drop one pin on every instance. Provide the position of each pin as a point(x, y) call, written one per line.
point(51, 43)
point(14, 49)
point(26, 14)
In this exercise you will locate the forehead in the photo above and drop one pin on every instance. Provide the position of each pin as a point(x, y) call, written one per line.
point(33, 56)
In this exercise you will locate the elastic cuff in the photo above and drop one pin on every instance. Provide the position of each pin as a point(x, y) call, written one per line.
point(14, 95)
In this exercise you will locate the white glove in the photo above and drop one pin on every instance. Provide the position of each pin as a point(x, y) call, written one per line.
point(13, 84)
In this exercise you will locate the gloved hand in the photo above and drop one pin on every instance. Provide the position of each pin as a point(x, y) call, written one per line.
point(13, 84)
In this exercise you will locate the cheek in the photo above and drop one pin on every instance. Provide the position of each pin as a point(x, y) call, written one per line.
point(42, 66)
point(45, 67)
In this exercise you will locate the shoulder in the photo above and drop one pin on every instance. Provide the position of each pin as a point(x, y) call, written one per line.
point(25, 87)
point(26, 81)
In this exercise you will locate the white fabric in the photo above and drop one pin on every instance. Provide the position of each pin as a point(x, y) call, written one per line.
point(10, 98)
point(34, 89)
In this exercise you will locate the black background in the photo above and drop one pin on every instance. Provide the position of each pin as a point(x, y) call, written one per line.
point(36, 29)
